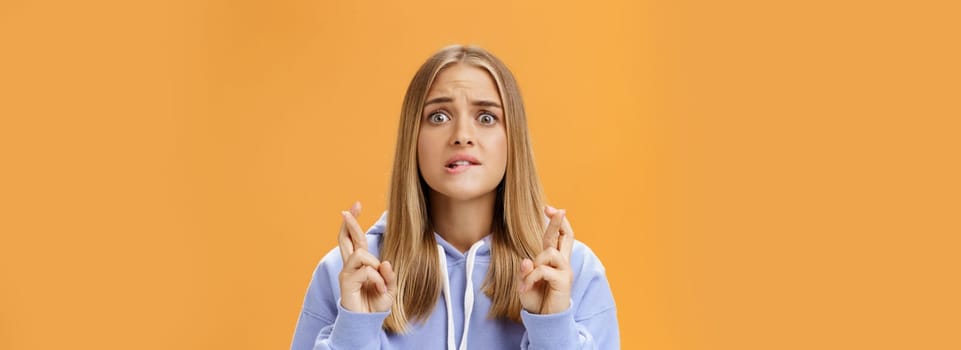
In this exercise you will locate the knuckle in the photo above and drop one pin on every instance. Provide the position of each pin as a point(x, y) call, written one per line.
point(547, 252)
point(356, 254)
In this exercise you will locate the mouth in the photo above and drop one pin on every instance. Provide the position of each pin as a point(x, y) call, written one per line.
point(460, 163)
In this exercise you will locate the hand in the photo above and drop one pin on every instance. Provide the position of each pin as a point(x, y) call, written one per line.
point(545, 283)
point(366, 284)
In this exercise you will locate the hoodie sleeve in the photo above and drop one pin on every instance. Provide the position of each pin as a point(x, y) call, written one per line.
point(590, 322)
point(325, 324)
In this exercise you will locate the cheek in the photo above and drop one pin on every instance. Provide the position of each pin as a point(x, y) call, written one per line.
point(425, 153)
point(500, 149)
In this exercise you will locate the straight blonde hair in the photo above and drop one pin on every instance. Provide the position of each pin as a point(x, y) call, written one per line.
point(518, 223)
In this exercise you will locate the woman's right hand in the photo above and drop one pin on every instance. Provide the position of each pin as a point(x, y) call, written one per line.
point(366, 284)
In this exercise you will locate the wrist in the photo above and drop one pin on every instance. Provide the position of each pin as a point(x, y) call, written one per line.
point(556, 307)
point(357, 330)
point(551, 331)
point(352, 305)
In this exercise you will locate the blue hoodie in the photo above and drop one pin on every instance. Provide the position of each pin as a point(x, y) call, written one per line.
point(459, 320)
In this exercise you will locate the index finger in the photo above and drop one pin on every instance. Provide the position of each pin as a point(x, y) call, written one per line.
point(343, 241)
point(356, 233)
point(551, 234)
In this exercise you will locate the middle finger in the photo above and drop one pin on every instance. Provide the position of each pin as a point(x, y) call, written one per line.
point(344, 242)
point(355, 232)
point(566, 238)
point(552, 231)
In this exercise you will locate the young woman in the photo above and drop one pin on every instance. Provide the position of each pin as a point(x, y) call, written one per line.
point(467, 256)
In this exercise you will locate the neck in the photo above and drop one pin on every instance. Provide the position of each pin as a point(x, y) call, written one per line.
point(462, 222)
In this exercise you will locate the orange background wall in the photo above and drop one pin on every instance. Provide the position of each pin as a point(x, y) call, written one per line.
point(754, 174)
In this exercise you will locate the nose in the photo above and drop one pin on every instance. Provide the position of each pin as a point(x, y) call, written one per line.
point(463, 132)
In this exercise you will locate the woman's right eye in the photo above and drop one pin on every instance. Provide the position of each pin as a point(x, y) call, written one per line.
point(438, 118)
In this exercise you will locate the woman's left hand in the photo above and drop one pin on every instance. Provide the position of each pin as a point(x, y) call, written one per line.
point(545, 282)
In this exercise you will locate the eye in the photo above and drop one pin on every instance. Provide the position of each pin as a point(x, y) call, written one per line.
point(437, 118)
point(487, 119)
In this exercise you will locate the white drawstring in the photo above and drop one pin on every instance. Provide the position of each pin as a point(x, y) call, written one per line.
point(468, 295)
point(469, 292)
point(450, 315)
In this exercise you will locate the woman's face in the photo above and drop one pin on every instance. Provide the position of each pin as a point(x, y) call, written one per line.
point(462, 147)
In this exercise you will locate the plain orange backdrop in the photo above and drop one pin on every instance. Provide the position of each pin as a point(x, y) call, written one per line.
point(754, 174)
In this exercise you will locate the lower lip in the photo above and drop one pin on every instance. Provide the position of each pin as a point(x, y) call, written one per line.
point(459, 169)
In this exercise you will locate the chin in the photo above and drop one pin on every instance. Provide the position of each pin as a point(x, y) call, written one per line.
point(464, 194)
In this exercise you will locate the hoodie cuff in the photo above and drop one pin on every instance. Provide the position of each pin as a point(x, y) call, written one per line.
point(356, 330)
point(551, 331)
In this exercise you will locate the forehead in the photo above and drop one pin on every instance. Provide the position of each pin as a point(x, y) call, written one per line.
point(461, 77)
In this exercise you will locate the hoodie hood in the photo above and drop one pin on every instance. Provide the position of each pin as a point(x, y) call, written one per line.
point(452, 253)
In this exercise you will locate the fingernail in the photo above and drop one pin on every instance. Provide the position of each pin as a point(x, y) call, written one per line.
point(382, 289)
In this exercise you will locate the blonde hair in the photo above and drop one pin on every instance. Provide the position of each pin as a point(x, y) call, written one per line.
point(518, 222)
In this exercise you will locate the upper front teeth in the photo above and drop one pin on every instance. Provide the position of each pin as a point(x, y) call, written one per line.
point(460, 162)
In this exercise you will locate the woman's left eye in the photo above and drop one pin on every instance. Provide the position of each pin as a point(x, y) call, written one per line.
point(487, 119)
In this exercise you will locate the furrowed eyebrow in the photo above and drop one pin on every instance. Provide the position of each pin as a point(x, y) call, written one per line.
point(484, 103)
point(441, 99)
point(479, 103)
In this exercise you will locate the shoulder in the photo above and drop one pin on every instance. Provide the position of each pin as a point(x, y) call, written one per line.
point(590, 291)
point(584, 259)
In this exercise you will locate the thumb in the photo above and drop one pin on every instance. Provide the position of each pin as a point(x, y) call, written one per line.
point(526, 267)
point(390, 277)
